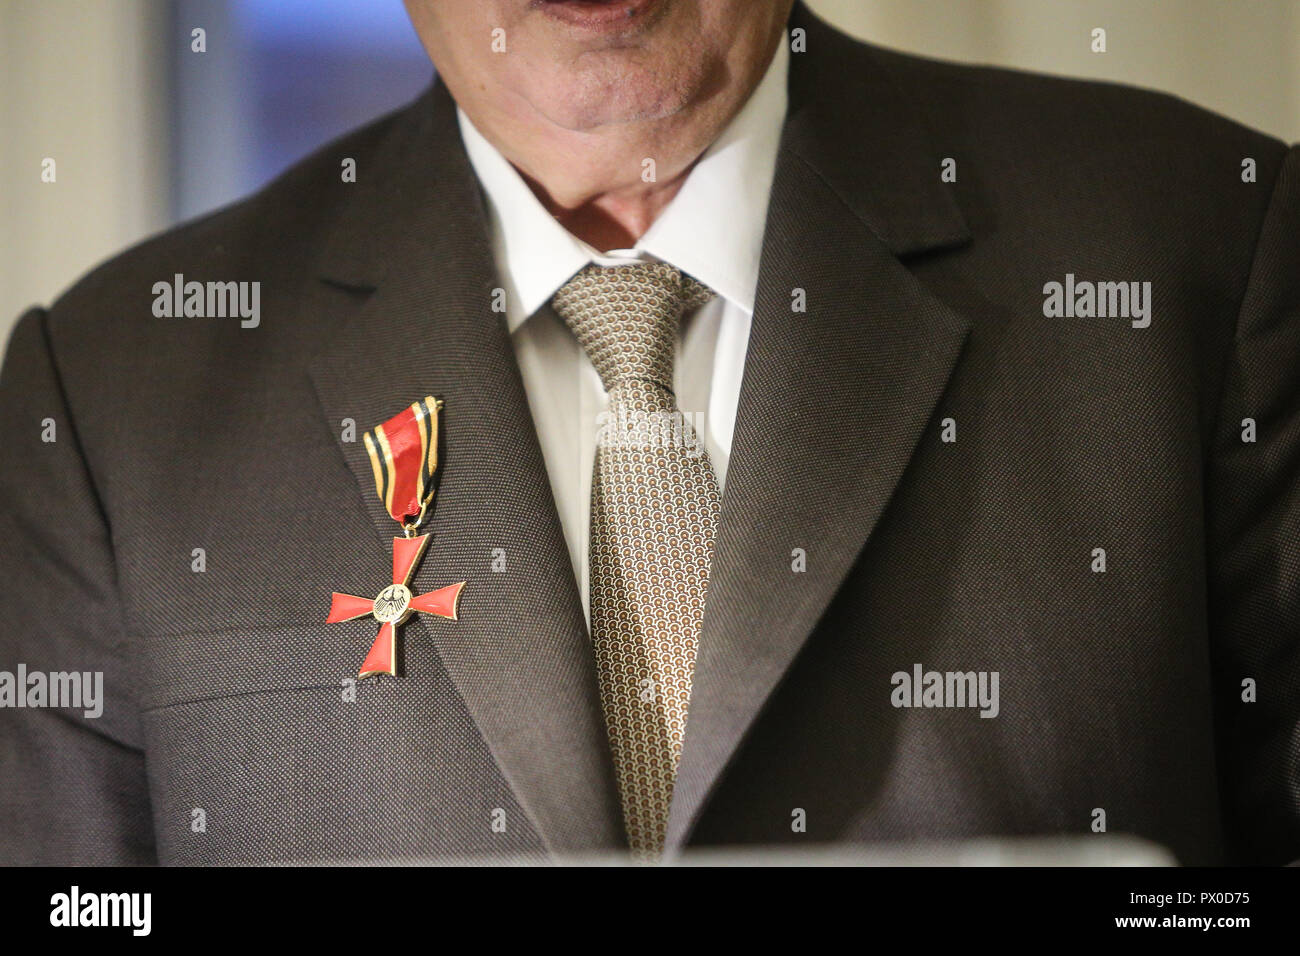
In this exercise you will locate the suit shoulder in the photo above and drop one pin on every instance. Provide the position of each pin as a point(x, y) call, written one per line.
point(283, 223)
point(1076, 113)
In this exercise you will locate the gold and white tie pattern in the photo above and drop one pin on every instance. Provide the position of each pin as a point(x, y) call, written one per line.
point(654, 515)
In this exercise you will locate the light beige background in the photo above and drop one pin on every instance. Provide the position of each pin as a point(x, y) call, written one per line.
point(84, 81)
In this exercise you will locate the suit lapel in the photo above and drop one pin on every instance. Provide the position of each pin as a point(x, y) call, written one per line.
point(833, 400)
point(414, 242)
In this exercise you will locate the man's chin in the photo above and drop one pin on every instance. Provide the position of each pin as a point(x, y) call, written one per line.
point(585, 104)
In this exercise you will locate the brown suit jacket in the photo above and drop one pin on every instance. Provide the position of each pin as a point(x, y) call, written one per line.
point(1119, 691)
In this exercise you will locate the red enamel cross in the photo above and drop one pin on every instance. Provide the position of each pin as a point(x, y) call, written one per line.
point(394, 605)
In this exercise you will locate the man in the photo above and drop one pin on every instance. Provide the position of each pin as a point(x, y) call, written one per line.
point(923, 439)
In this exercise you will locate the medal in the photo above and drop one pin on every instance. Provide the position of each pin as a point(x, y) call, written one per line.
point(404, 456)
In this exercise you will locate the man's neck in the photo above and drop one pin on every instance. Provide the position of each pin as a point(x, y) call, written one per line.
point(614, 216)
point(607, 185)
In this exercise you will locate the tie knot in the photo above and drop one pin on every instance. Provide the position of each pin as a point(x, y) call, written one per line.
point(626, 318)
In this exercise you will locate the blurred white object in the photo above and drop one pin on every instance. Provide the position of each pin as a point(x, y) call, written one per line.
point(1110, 849)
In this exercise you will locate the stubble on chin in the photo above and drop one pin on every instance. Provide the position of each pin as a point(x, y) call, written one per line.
point(616, 88)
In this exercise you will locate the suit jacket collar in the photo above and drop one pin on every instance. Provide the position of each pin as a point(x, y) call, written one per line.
point(851, 121)
point(832, 405)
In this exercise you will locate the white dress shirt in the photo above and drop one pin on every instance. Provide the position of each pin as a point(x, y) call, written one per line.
point(712, 229)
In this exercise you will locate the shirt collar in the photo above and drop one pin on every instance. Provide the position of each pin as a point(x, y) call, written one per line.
point(712, 229)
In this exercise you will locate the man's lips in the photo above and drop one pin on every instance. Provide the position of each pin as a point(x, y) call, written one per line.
point(596, 15)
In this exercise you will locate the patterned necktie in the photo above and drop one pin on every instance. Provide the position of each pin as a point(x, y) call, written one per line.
point(654, 513)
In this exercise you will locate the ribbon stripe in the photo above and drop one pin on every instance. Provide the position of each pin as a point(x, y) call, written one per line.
point(404, 456)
